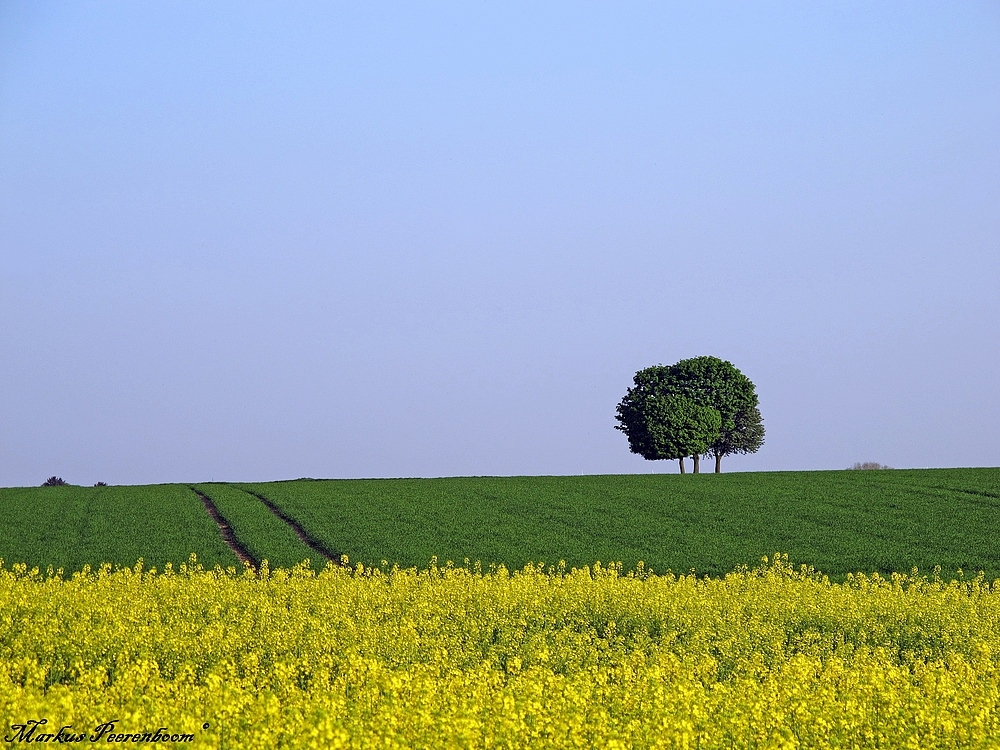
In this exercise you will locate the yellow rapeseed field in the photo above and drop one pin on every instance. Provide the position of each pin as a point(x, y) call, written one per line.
point(454, 657)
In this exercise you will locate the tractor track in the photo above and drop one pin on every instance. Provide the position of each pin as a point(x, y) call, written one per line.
point(314, 544)
point(227, 531)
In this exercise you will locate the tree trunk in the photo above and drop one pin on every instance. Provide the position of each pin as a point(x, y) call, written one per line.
point(718, 463)
point(695, 458)
point(682, 464)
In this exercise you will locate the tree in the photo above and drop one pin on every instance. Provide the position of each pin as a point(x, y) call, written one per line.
point(679, 424)
point(661, 423)
point(717, 383)
point(747, 436)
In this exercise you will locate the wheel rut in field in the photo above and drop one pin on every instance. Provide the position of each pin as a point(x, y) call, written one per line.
point(227, 531)
point(314, 544)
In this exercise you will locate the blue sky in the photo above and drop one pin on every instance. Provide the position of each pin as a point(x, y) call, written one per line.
point(257, 241)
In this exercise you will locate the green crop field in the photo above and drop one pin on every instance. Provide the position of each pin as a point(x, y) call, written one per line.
point(262, 534)
point(69, 527)
point(837, 521)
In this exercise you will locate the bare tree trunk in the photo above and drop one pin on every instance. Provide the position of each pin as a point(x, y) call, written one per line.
point(718, 463)
point(695, 458)
point(682, 464)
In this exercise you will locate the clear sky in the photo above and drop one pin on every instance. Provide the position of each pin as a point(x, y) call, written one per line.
point(255, 241)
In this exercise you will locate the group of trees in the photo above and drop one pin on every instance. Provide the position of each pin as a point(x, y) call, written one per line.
point(702, 406)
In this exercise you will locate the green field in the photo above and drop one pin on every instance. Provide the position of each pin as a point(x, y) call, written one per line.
point(262, 534)
point(69, 527)
point(837, 521)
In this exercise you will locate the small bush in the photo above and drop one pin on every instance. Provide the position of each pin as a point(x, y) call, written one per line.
point(101, 484)
point(53, 482)
point(868, 466)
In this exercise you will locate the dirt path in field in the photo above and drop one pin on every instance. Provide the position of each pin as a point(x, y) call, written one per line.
point(226, 530)
point(314, 544)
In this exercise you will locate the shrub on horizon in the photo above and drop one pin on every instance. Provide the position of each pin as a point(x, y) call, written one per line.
point(54, 482)
point(868, 466)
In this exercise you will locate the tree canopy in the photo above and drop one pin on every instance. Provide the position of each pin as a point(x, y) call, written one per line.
point(668, 426)
point(746, 436)
point(698, 406)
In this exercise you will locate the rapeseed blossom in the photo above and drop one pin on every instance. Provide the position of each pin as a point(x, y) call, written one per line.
point(540, 657)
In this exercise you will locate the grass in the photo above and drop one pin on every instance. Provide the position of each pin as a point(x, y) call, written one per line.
point(263, 534)
point(69, 527)
point(837, 521)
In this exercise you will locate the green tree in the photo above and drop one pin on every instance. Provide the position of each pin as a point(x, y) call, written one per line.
point(747, 436)
point(662, 423)
point(714, 382)
point(676, 427)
